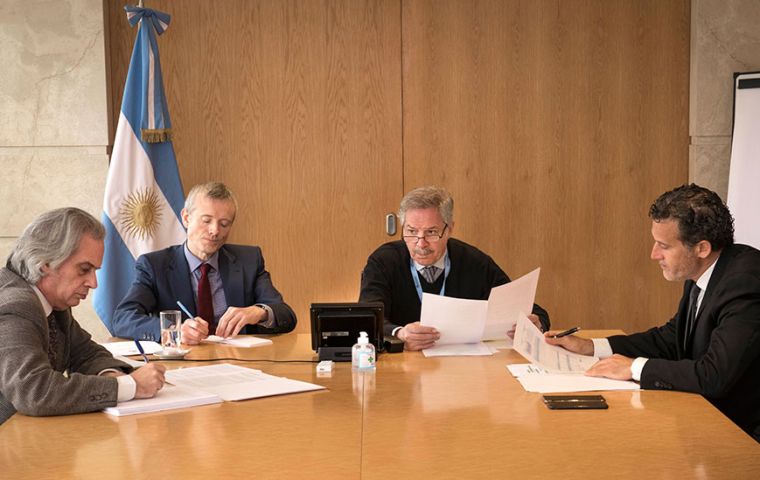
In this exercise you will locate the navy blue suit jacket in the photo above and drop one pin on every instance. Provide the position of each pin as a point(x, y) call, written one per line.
point(163, 277)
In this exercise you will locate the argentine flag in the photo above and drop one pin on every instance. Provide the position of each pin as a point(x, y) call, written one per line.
point(143, 196)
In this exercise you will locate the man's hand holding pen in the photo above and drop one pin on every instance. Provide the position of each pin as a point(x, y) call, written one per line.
point(570, 342)
point(194, 330)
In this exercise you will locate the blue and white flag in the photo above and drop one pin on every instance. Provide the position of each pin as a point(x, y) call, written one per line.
point(143, 196)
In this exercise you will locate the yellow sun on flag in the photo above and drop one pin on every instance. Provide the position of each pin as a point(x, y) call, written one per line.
point(141, 213)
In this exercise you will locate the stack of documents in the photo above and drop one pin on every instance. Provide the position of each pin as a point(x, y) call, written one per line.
point(554, 369)
point(168, 398)
point(464, 324)
point(232, 383)
point(195, 386)
point(536, 379)
point(238, 341)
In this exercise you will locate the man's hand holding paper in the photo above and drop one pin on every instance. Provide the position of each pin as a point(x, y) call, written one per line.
point(463, 321)
point(417, 336)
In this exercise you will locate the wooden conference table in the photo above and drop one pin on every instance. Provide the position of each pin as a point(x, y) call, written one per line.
point(415, 417)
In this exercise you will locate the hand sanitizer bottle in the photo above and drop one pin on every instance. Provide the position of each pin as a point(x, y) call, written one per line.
point(363, 353)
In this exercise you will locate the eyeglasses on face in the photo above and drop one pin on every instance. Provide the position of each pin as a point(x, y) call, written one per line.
point(430, 236)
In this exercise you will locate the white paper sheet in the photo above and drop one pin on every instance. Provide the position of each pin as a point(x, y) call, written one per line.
point(129, 348)
point(507, 302)
point(458, 320)
point(232, 382)
point(463, 321)
point(520, 369)
point(245, 341)
point(530, 343)
point(168, 398)
point(459, 350)
point(571, 382)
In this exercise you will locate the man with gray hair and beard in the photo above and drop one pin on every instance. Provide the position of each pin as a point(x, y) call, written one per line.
point(427, 259)
point(48, 364)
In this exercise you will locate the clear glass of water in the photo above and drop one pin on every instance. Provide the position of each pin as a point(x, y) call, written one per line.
point(171, 325)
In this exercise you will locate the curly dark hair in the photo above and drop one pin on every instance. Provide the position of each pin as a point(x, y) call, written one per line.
point(701, 215)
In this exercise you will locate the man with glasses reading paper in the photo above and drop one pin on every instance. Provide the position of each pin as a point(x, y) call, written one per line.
point(428, 260)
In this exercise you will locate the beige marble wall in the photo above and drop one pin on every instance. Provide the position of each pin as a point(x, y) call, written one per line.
point(725, 38)
point(53, 116)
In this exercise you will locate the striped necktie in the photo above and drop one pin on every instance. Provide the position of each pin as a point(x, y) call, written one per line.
point(430, 273)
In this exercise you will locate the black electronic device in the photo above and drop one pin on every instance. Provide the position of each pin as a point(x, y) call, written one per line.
point(336, 326)
point(392, 344)
point(575, 402)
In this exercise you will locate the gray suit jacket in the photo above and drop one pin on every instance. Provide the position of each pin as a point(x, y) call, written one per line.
point(28, 382)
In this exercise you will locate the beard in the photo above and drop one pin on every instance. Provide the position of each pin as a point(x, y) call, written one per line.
point(683, 270)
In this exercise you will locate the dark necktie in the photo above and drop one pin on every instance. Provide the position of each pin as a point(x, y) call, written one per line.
point(430, 273)
point(691, 316)
point(205, 303)
point(52, 338)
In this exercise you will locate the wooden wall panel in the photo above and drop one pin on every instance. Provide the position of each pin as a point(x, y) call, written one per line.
point(554, 123)
point(296, 106)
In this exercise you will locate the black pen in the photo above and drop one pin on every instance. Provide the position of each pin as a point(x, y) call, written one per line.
point(142, 352)
point(567, 332)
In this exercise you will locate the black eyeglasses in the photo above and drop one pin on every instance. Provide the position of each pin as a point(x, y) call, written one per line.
point(430, 236)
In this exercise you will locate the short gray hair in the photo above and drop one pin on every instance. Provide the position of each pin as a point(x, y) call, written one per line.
point(50, 239)
point(213, 190)
point(428, 197)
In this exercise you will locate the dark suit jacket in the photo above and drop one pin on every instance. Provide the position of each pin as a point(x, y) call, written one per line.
point(386, 278)
point(163, 277)
point(28, 381)
point(723, 360)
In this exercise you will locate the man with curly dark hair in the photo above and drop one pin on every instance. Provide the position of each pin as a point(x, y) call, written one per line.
point(712, 344)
